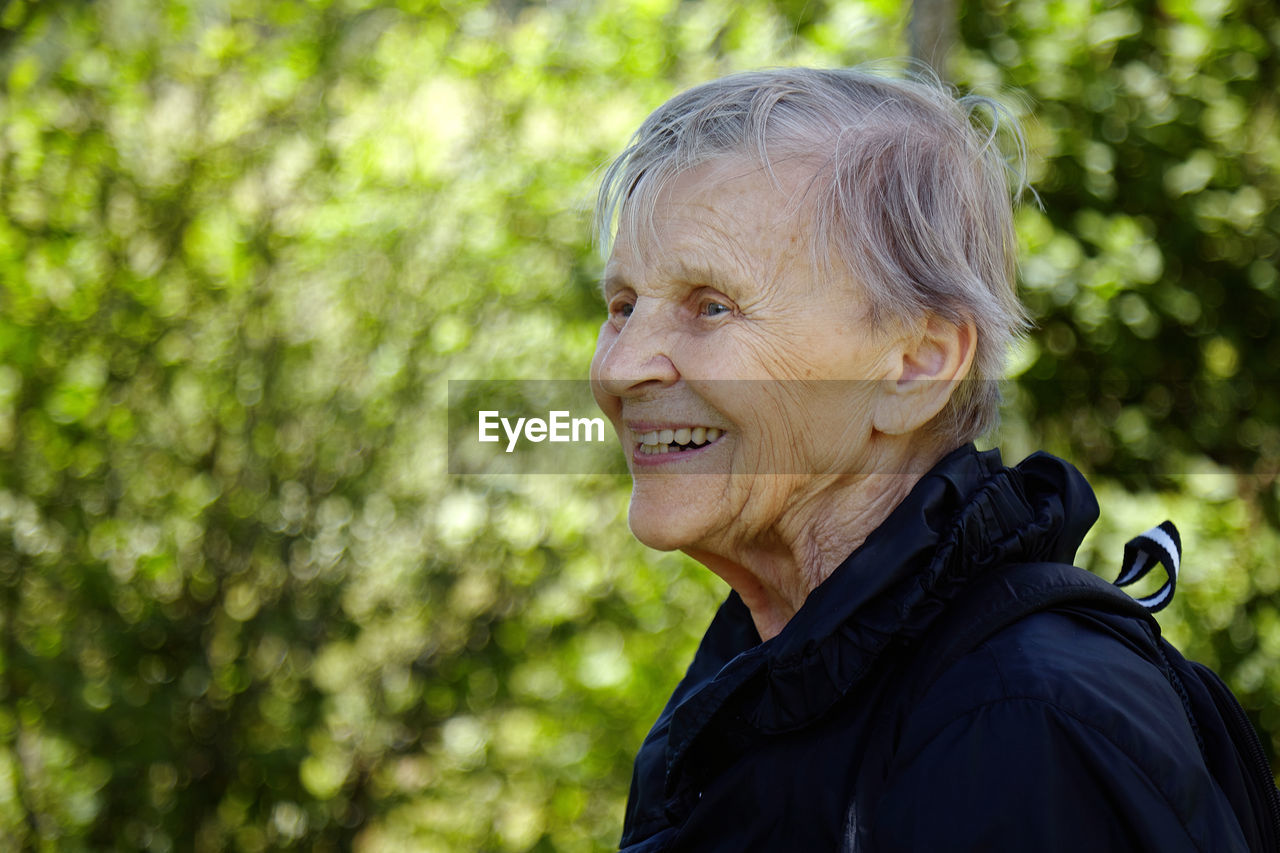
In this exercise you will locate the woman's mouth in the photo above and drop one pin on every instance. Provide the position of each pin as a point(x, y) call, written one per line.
point(676, 440)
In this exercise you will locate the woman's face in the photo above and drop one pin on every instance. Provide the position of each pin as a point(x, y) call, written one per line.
point(718, 362)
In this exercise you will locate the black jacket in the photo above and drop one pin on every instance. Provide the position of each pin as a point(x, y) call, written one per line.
point(1058, 733)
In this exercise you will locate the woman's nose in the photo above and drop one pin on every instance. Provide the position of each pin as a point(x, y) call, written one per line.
point(637, 358)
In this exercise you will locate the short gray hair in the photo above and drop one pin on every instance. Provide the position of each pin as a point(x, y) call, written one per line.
point(911, 193)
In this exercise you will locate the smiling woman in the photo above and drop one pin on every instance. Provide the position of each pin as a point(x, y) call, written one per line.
point(810, 296)
point(748, 352)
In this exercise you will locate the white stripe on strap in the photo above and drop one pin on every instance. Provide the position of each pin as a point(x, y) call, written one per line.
point(1159, 545)
point(1172, 550)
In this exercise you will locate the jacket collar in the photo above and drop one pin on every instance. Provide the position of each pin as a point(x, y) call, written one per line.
point(966, 515)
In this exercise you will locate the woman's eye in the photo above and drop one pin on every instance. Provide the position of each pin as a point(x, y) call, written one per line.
point(711, 309)
point(622, 309)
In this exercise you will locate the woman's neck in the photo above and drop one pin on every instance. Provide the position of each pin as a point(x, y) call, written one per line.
point(776, 570)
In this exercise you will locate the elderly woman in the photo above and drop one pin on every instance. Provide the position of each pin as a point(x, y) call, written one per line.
point(810, 295)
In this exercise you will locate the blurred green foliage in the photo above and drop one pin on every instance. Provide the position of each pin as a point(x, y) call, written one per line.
point(1153, 266)
point(243, 247)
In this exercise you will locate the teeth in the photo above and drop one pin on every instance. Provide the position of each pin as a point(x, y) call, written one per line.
point(660, 441)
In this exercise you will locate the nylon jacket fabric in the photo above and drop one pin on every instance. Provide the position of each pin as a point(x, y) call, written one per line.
point(1060, 733)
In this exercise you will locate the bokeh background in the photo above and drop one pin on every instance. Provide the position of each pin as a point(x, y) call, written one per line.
point(245, 243)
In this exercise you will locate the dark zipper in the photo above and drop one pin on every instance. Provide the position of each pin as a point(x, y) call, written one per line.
point(1242, 731)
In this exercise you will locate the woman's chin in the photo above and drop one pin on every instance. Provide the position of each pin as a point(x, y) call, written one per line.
point(662, 528)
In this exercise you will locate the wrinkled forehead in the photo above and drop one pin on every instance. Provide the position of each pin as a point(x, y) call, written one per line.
point(734, 196)
point(732, 224)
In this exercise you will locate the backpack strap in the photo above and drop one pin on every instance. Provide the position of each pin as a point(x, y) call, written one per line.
point(1159, 545)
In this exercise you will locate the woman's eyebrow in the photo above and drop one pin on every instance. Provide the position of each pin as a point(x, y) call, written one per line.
point(676, 270)
point(697, 272)
point(612, 282)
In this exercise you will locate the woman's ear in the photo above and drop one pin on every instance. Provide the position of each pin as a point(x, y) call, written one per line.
point(933, 357)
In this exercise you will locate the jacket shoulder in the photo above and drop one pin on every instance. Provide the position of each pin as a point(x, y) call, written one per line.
point(1065, 716)
point(1098, 664)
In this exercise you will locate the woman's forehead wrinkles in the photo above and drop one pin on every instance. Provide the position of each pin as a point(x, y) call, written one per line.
point(709, 231)
point(722, 232)
point(688, 256)
point(724, 258)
